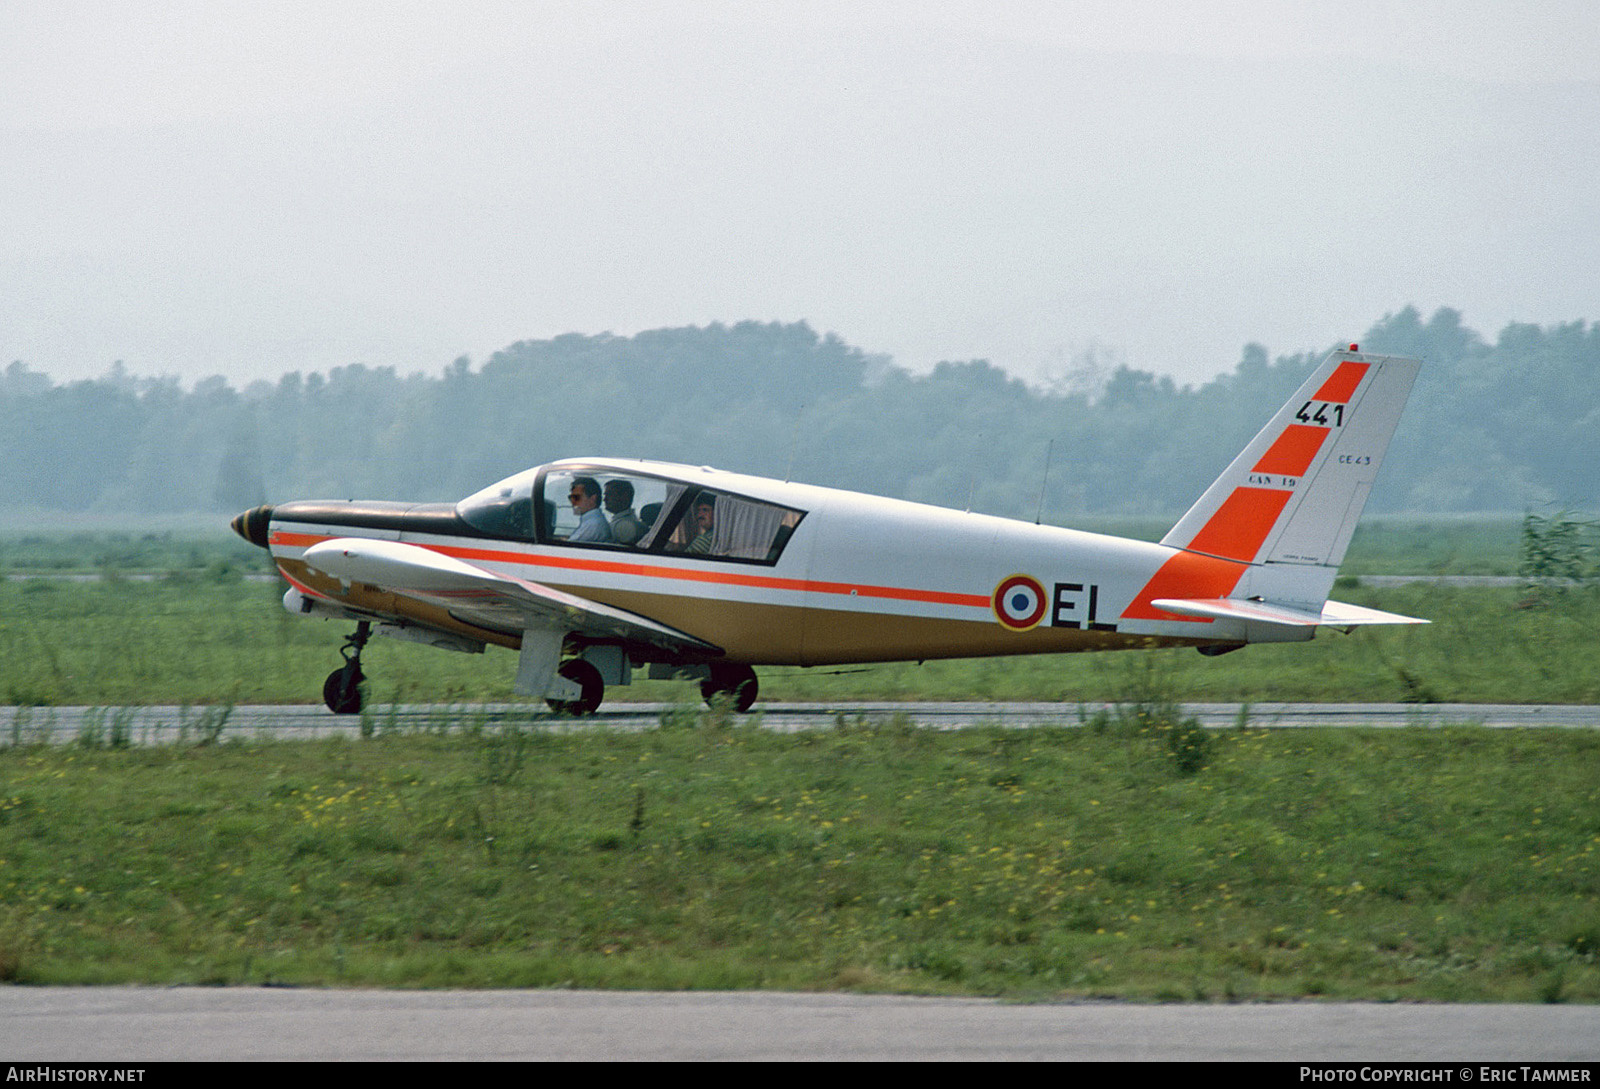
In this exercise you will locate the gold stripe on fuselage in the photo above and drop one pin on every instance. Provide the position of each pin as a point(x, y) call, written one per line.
point(763, 633)
point(768, 634)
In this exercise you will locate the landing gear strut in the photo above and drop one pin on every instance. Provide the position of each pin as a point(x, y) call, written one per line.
point(342, 690)
point(738, 682)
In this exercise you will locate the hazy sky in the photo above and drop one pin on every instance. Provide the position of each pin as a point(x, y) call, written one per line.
point(250, 188)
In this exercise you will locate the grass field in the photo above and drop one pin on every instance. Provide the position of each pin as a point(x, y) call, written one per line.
point(1133, 857)
point(1455, 864)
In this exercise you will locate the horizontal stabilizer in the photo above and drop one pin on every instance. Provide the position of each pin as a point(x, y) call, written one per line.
point(1335, 614)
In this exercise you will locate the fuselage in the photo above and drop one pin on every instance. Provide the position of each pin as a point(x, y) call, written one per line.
point(781, 573)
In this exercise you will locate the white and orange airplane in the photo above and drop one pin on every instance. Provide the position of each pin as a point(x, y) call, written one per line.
point(594, 567)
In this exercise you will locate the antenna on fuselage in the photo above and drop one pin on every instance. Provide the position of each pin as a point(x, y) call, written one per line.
point(794, 447)
point(1043, 483)
point(972, 477)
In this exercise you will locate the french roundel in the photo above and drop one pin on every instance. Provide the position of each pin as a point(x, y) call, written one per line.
point(1019, 602)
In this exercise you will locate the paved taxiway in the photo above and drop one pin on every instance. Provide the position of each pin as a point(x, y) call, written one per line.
point(129, 1024)
point(157, 724)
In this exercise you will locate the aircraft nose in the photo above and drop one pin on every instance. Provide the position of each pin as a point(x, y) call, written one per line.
point(252, 525)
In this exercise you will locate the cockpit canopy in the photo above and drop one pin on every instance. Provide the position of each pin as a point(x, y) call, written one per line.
point(603, 507)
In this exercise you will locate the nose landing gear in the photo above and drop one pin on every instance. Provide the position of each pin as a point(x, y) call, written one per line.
point(342, 690)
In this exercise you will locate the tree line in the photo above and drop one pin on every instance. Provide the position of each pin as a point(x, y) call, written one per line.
point(1502, 425)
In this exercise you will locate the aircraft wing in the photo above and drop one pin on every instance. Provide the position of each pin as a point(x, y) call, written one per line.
point(480, 596)
point(1335, 614)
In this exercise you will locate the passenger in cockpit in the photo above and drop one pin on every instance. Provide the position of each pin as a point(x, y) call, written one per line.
point(703, 524)
point(592, 525)
point(626, 527)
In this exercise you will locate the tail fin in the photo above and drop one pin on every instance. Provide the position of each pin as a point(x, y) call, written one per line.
point(1295, 493)
point(1289, 503)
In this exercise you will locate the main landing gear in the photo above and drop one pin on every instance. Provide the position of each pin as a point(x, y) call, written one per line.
point(735, 682)
point(342, 690)
point(586, 677)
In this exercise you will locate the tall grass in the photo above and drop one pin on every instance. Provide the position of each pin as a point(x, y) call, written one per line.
point(1452, 864)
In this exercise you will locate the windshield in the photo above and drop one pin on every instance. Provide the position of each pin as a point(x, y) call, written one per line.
point(503, 509)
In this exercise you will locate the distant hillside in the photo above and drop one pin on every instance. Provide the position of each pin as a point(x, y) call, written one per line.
point(1491, 426)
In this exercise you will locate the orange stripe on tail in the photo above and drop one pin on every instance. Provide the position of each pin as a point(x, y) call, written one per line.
point(1185, 575)
point(1294, 451)
point(1241, 524)
point(1341, 384)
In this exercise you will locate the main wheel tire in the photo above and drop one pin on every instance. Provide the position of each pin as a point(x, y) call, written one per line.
point(736, 681)
point(586, 677)
point(342, 690)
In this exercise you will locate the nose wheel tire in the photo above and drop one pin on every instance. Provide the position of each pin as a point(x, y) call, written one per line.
point(342, 690)
point(586, 677)
point(735, 681)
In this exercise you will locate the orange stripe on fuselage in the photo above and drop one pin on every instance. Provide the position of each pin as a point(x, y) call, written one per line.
point(1186, 574)
point(642, 570)
point(1294, 451)
point(297, 540)
point(1341, 384)
point(1241, 524)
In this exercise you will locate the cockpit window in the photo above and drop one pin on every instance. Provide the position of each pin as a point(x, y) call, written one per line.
point(641, 513)
point(633, 512)
point(731, 527)
point(591, 506)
